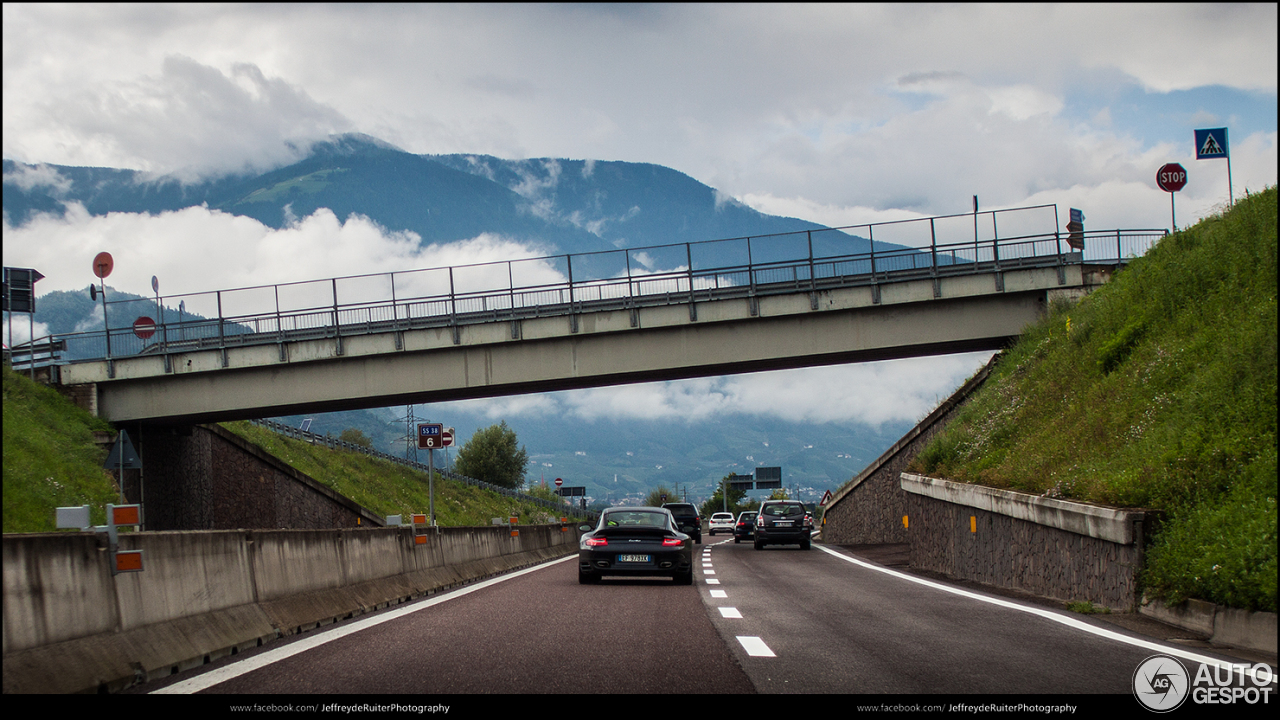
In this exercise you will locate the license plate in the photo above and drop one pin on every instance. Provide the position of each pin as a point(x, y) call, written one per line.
point(783, 523)
point(633, 558)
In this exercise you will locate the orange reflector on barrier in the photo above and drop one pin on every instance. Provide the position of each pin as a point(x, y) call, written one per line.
point(419, 518)
point(419, 539)
point(126, 515)
point(129, 561)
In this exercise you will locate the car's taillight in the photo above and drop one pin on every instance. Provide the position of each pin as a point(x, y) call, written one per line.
point(596, 542)
point(671, 542)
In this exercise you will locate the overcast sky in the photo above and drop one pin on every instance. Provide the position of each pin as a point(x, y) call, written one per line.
point(839, 114)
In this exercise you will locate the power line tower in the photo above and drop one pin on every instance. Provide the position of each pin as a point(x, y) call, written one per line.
point(410, 435)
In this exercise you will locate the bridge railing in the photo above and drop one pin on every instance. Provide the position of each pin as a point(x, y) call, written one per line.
point(626, 278)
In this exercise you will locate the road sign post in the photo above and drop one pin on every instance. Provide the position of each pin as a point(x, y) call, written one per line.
point(102, 266)
point(1211, 144)
point(1171, 177)
point(768, 478)
point(430, 437)
point(1075, 230)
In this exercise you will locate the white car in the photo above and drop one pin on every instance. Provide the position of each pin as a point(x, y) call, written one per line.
point(720, 522)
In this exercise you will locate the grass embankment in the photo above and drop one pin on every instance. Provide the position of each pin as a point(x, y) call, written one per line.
point(51, 461)
point(1156, 391)
point(388, 488)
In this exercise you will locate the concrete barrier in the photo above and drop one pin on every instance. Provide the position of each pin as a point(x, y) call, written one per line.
point(71, 626)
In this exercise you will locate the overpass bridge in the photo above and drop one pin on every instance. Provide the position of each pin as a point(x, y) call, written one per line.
point(870, 292)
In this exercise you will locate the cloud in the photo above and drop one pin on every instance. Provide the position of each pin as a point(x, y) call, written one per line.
point(871, 393)
point(235, 251)
point(29, 177)
point(190, 121)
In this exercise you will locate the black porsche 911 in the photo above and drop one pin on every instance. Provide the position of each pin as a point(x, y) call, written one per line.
point(635, 541)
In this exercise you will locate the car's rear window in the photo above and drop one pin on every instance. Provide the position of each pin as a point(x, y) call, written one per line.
point(635, 518)
point(782, 510)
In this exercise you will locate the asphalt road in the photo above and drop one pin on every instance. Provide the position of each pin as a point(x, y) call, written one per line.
point(539, 632)
point(779, 620)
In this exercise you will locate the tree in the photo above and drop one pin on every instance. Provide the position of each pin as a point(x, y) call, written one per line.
point(356, 437)
point(654, 498)
point(494, 456)
point(716, 502)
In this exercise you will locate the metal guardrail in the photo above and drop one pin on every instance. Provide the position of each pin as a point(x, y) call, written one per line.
point(566, 285)
point(337, 444)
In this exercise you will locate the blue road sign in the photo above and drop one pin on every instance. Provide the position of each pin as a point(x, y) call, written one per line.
point(1211, 144)
point(430, 436)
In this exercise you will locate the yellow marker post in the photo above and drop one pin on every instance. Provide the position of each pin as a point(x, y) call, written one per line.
point(973, 524)
point(904, 521)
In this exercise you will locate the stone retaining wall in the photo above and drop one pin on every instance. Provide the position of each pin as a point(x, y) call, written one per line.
point(1051, 548)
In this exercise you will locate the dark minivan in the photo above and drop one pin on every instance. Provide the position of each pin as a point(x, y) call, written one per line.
point(687, 519)
point(783, 522)
point(745, 527)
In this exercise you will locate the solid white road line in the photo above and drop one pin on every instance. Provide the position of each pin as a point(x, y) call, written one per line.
point(1044, 613)
point(223, 674)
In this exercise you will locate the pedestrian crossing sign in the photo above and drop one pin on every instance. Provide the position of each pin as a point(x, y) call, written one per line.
point(1211, 144)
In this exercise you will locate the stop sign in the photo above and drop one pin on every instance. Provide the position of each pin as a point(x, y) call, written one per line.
point(144, 327)
point(1171, 177)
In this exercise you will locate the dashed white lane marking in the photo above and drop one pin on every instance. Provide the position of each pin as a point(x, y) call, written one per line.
point(755, 647)
point(719, 594)
point(730, 612)
point(712, 581)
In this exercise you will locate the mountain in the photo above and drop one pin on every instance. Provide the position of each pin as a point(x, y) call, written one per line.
point(620, 459)
point(564, 206)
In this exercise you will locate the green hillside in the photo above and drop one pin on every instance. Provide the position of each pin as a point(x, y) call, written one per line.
point(1156, 391)
point(51, 460)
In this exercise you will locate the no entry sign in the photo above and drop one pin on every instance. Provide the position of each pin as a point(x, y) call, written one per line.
point(144, 327)
point(1171, 177)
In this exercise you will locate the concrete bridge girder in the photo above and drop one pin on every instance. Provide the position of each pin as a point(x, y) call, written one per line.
point(918, 317)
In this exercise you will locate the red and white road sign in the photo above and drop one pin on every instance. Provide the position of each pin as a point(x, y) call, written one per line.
point(103, 264)
point(1171, 177)
point(144, 327)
